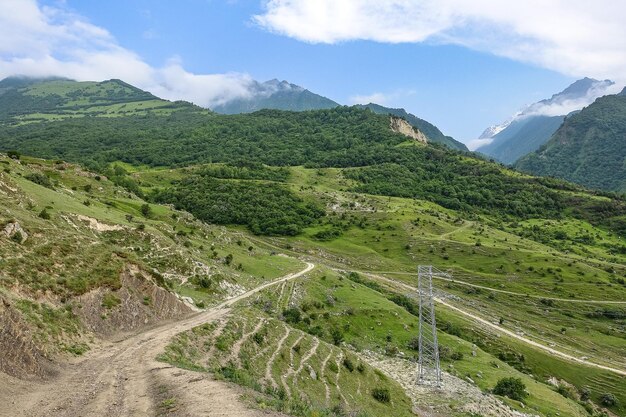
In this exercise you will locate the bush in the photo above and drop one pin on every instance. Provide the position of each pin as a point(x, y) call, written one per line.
point(414, 344)
point(382, 395)
point(258, 338)
point(456, 356)
point(348, 364)
point(608, 400)
point(337, 336)
point(44, 214)
point(513, 388)
point(292, 315)
point(146, 210)
point(40, 179)
point(110, 300)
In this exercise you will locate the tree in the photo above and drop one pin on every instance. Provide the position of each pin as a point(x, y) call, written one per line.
point(513, 388)
point(146, 210)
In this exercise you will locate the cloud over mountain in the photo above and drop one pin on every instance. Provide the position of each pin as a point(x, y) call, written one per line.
point(52, 41)
point(573, 37)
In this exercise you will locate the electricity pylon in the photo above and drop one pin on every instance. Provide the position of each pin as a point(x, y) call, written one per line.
point(428, 368)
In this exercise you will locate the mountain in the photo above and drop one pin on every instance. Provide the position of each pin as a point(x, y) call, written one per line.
point(25, 100)
point(589, 148)
point(530, 128)
point(274, 227)
point(431, 131)
point(279, 95)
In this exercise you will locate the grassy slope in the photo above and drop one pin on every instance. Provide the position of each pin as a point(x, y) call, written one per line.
point(400, 233)
point(65, 257)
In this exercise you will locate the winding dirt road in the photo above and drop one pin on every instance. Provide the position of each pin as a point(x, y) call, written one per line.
point(125, 379)
point(482, 287)
point(500, 329)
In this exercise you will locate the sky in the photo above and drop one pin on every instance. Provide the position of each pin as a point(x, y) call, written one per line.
point(460, 64)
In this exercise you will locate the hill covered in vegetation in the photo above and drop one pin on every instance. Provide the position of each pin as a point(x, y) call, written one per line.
point(431, 131)
point(588, 149)
point(208, 206)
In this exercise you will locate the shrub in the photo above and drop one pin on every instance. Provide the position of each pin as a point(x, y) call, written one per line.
point(39, 178)
point(13, 154)
point(110, 300)
point(382, 395)
point(44, 214)
point(258, 338)
point(348, 364)
point(337, 336)
point(414, 344)
point(511, 387)
point(146, 210)
point(585, 393)
point(456, 356)
point(292, 315)
point(608, 400)
point(17, 237)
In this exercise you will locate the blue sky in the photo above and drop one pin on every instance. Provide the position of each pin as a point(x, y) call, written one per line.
point(460, 85)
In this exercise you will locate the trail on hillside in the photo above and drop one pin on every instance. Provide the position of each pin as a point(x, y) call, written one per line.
point(501, 329)
point(125, 379)
point(519, 294)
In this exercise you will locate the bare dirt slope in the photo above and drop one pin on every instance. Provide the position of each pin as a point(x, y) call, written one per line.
point(125, 379)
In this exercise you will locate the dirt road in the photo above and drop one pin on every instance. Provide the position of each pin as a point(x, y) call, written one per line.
point(500, 329)
point(124, 379)
point(482, 287)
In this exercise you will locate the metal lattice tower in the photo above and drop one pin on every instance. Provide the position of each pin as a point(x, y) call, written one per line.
point(428, 368)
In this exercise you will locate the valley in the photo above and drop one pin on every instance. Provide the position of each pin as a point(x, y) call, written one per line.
point(148, 259)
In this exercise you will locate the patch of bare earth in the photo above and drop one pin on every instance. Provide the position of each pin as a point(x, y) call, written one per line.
point(455, 395)
point(125, 379)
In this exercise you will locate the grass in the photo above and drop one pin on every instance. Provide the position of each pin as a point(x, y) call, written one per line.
point(376, 234)
point(301, 394)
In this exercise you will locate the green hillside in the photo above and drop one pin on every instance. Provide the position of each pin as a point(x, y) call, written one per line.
point(28, 100)
point(588, 149)
point(431, 131)
point(207, 206)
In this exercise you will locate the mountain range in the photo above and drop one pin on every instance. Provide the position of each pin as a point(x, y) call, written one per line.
point(55, 98)
point(589, 148)
point(236, 261)
point(533, 126)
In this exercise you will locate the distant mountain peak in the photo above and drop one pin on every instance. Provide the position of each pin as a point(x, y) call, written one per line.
point(276, 94)
point(532, 126)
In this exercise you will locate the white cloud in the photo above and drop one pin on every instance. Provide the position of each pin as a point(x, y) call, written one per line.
point(560, 106)
point(474, 144)
point(574, 37)
point(51, 41)
point(378, 98)
point(386, 99)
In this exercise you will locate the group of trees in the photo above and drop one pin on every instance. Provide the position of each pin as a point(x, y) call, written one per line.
point(345, 137)
point(264, 207)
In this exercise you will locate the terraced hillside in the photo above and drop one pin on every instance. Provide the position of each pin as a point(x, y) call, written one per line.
point(235, 202)
point(561, 288)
